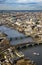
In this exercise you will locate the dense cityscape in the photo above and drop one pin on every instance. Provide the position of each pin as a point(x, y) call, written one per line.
point(20, 38)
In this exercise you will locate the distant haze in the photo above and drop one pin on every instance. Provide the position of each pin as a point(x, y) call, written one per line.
point(20, 4)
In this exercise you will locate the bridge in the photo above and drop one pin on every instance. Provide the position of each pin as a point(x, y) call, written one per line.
point(24, 45)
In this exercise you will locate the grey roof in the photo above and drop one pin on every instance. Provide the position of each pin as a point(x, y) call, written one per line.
point(10, 32)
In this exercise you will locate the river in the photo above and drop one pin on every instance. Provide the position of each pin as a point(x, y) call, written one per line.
point(35, 49)
point(12, 33)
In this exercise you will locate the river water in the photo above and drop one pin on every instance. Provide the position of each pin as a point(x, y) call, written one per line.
point(35, 49)
point(27, 52)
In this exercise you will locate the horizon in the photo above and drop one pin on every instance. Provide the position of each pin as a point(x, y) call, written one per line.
point(20, 5)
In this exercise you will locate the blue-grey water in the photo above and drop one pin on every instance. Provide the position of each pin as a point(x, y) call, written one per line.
point(29, 53)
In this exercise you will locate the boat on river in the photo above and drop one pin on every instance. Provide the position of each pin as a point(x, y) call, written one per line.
point(36, 53)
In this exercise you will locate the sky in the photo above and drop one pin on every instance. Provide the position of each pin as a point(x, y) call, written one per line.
point(20, 4)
